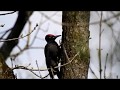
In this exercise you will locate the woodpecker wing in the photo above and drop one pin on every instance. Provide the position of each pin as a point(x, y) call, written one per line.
point(52, 53)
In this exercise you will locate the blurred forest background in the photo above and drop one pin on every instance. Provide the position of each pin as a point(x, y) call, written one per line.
point(27, 58)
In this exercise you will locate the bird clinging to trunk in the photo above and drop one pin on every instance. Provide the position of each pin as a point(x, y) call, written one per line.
point(52, 54)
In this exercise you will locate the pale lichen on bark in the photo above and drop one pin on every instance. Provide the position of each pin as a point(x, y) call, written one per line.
point(75, 39)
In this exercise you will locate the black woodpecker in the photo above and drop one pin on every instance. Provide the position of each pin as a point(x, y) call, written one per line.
point(52, 55)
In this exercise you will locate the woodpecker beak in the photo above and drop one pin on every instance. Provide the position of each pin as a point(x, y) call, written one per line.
point(57, 36)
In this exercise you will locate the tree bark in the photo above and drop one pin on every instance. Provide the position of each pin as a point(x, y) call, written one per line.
point(75, 39)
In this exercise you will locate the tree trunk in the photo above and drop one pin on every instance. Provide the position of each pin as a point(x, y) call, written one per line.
point(75, 41)
point(5, 71)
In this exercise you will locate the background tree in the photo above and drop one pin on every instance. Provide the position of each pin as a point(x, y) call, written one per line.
point(11, 41)
point(75, 44)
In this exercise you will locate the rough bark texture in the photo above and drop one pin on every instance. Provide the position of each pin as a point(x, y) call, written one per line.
point(7, 47)
point(5, 71)
point(75, 39)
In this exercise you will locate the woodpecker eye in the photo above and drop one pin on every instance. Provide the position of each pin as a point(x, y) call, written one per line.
point(50, 37)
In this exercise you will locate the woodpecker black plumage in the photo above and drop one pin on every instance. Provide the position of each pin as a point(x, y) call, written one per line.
point(52, 55)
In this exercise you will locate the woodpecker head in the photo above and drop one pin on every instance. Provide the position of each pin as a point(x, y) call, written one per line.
point(51, 37)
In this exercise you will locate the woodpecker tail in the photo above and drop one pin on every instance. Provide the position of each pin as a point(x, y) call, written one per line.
point(58, 74)
point(53, 72)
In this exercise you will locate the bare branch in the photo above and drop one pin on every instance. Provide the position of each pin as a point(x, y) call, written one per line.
point(4, 40)
point(8, 13)
point(49, 18)
point(93, 72)
point(23, 67)
point(99, 50)
point(5, 32)
point(38, 68)
point(105, 66)
point(105, 20)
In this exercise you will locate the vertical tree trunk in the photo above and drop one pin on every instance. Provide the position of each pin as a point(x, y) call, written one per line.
point(75, 40)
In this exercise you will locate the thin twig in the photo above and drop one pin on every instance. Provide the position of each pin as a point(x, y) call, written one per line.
point(105, 20)
point(2, 32)
point(44, 76)
point(52, 70)
point(8, 13)
point(19, 37)
point(11, 62)
point(56, 22)
point(28, 70)
point(29, 30)
point(5, 32)
point(38, 69)
point(49, 18)
point(105, 66)
point(99, 51)
point(28, 65)
point(93, 72)
point(23, 67)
